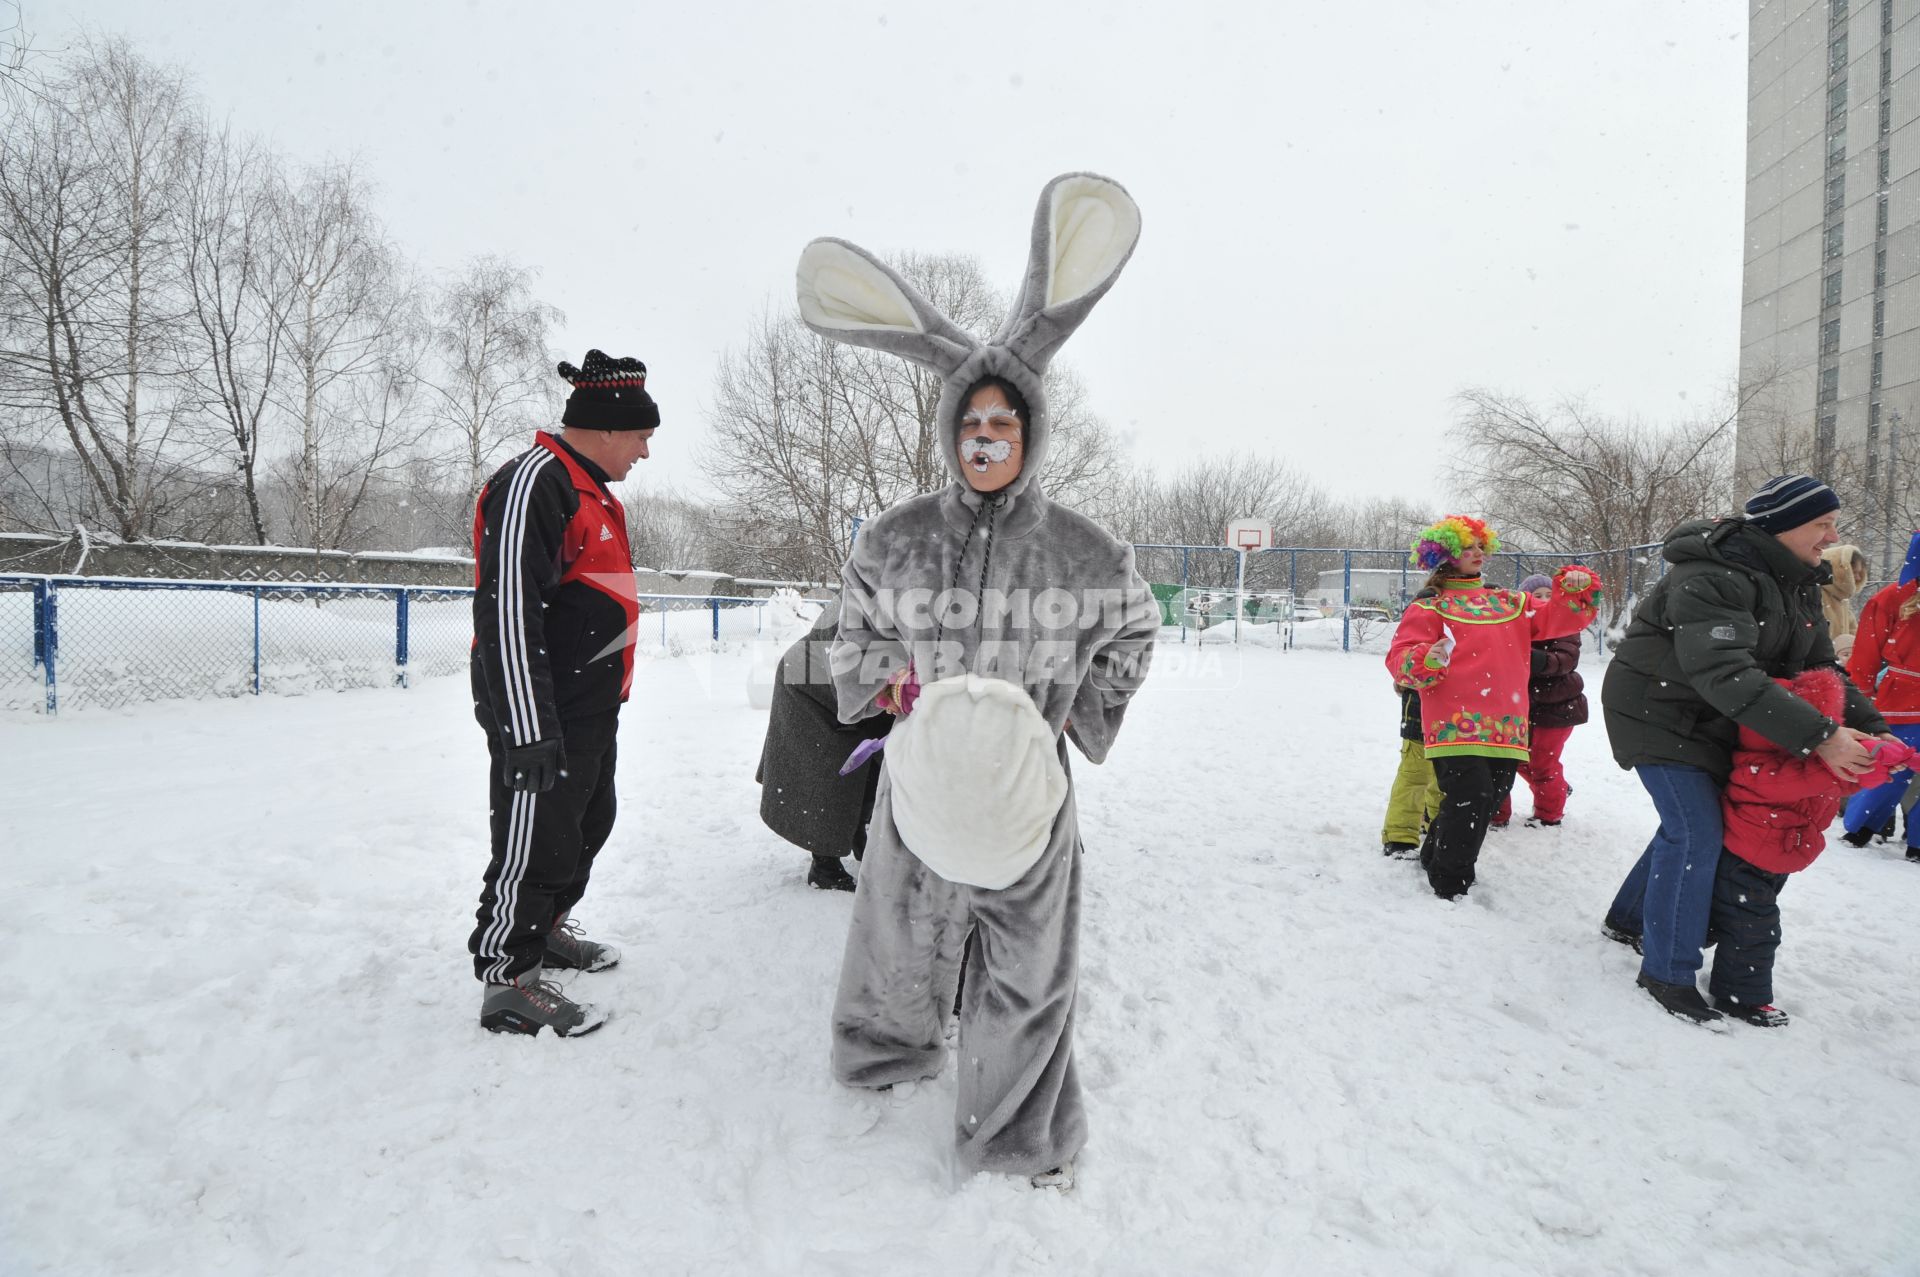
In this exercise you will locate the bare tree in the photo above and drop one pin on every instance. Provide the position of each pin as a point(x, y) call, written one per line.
point(492, 376)
point(353, 342)
point(1568, 480)
point(91, 187)
point(239, 297)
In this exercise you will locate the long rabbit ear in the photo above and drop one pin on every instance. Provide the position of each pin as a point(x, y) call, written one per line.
point(1083, 233)
point(849, 295)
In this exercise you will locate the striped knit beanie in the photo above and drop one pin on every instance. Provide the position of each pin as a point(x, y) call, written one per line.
point(608, 394)
point(1789, 500)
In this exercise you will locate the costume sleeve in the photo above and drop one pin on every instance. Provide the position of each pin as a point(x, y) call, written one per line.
point(524, 514)
point(1568, 611)
point(1118, 668)
point(1714, 634)
point(867, 649)
point(1413, 640)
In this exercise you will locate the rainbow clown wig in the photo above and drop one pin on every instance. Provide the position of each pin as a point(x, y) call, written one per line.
point(1451, 537)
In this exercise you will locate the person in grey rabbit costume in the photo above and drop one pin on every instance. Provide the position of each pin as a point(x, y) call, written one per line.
point(998, 626)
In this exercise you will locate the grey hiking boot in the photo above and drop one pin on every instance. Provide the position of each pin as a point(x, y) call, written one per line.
point(568, 950)
point(532, 1004)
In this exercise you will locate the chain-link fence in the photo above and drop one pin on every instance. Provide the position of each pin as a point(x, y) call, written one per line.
point(91, 641)
point(1345, 599)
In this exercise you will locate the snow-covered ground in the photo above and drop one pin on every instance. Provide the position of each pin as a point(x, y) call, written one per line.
point(239, 1033)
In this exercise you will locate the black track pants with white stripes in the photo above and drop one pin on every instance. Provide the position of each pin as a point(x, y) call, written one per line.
point(543, 849)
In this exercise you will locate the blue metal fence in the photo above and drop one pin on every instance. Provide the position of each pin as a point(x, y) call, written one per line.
point(67, 640)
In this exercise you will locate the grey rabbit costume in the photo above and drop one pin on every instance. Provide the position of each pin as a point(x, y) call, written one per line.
point(1019, 1105)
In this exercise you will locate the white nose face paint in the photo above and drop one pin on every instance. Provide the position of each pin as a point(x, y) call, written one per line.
point(981, 452)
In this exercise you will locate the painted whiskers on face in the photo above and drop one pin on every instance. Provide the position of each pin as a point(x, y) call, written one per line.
point(980, 451)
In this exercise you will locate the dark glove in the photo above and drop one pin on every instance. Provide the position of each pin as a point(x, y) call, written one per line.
point(534, 768)
point(1541, 660)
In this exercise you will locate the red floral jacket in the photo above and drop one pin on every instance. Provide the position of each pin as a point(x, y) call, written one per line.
point(1473, 700)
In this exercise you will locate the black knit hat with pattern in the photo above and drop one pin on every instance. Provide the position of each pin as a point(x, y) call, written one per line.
point(608, 394)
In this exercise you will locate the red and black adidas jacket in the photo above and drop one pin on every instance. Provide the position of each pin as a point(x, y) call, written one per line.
point(554, 605)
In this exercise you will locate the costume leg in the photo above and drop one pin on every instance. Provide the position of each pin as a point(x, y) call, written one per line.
point(1020, 1108)
point(901, 961)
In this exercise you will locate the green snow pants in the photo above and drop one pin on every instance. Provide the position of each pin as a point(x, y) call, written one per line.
point(1416, 795)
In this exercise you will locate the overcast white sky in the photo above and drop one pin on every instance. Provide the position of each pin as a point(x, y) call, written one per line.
point(1350, 211)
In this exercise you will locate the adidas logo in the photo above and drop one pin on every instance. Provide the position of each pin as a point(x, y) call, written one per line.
point(606, 533)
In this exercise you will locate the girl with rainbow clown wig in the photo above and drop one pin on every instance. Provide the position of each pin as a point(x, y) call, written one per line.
point(1466, 647)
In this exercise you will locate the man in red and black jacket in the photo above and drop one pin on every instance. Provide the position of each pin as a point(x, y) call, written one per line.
point(554, 612)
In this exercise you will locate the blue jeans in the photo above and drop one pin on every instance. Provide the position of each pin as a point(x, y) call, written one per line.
point(1668, 893)
point(1870, 808)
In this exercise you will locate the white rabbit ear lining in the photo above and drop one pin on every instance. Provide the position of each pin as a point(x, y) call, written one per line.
point(1094, 224)
point(842, 289)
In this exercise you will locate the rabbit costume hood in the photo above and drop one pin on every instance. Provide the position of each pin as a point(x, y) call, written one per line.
point(1084, 231)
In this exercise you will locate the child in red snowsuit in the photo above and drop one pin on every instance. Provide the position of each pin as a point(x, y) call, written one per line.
point(1777, 807)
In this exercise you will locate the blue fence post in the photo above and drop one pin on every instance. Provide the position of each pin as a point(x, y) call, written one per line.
point(39, 624)
point(715, 605)
point(50, 641)
point(1346, 600)
point(400, 637)
point(256, 640)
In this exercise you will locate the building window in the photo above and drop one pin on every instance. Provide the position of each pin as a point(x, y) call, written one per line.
point(1835, 236)
point(1837, 146)
point(1837, 53)
point(1837, 11)
point(1880, 216)
point(1823, 443)
point(1886, 116)
point(1829, 384)
point(1836, 193)
point(1878, 357)
point(1830, 290)
point(1830, 338)
point(1879, 268)
point(1879, 317)
point(1886, 165)
point(1873, 422)
point(1873, 465)
point(1837, 101)
point(1886, 17)
point(1886, 66)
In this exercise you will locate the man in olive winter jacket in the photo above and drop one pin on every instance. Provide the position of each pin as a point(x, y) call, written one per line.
point(1739, 607)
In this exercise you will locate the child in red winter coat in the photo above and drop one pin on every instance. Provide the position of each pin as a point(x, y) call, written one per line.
point(1777, 807)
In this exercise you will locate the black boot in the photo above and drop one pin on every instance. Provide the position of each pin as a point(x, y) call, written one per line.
point(828, 874)
point(1620, 935)
point(1399, 850)
point(1857, 837)
point(1682, 1000)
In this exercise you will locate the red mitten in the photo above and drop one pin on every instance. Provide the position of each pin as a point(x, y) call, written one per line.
point(1579, 584)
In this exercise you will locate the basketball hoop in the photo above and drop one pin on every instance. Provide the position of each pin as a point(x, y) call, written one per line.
point(1248, 535)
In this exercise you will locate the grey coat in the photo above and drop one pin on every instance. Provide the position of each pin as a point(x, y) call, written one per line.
point(1010, 586)
point(803, 796)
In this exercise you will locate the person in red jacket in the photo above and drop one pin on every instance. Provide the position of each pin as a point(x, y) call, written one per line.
point(1467, 649)
point(554, 611)
point(1776, 809)
point(1885, 664)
